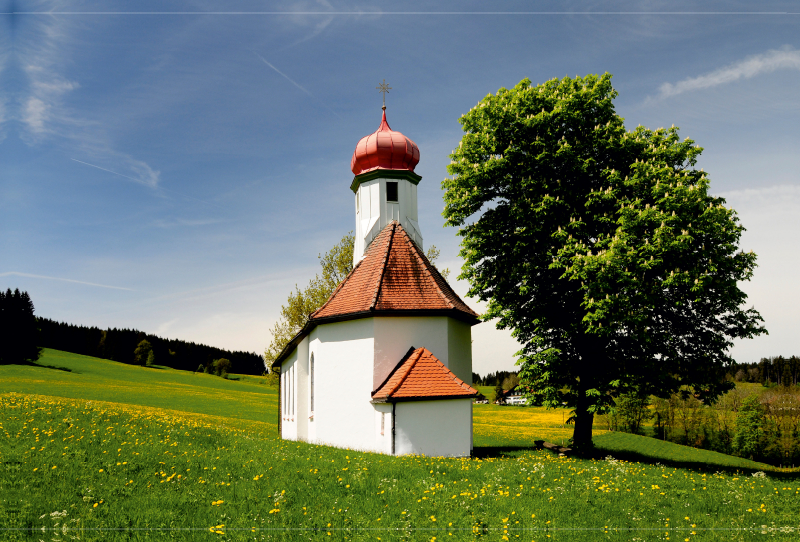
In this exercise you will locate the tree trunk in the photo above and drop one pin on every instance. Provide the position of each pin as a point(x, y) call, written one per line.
point(582, 434)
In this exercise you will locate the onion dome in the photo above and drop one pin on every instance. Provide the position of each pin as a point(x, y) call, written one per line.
point(384, 149)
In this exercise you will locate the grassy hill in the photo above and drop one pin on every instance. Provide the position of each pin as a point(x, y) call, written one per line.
point(114, 452)
point(63, 374)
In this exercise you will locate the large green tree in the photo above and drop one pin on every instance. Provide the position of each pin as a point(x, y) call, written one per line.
point(600, 248)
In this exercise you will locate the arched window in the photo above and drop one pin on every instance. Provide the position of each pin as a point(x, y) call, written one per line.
point(285, 392)
point(311, 375)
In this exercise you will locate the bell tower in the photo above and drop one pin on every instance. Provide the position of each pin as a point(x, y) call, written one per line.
point(385, 184)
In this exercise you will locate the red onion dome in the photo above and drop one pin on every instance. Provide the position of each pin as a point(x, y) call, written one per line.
point(385, 149)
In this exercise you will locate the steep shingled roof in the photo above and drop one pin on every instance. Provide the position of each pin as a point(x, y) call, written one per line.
point(422, 376)
point(394, 277)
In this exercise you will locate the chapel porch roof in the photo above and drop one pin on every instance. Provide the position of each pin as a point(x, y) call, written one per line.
point(421, 376)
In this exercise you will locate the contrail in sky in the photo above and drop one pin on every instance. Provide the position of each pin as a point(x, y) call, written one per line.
point(264, 60)
point(15, 273)
point(295, 83)
point(104, 169)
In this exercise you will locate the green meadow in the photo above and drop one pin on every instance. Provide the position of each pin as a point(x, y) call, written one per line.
point(97, 450)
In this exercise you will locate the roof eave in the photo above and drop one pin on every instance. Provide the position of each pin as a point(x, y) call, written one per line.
point(452, 313)
point(425, 398)
point(292, 344)
point(379, 172)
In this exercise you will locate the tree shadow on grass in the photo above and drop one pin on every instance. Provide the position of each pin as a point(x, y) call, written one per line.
point(707, 466)
point(34, 364)
point(485, 452)
point(600, 453)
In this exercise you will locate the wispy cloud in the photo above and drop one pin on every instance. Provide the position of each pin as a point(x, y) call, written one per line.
point(785, 58)
point(29, 275)
point(41, 106)
point(5, 47)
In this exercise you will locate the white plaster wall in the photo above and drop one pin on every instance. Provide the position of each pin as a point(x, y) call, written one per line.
point(371, 203)
point(351, 359)
point(459, 346)
point(395, 335)
point(343, 358)
point(434, 428)
point(448, 339)
point(383, 428)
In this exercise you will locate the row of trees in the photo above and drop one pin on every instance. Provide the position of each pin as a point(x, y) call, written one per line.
point(121, 345)
point(492, 379)
point(19, 342)
point(764, 426)
point(773, 370)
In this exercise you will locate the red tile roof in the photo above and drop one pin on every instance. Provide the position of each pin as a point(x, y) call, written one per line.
point(394, 278)
point(421, 376)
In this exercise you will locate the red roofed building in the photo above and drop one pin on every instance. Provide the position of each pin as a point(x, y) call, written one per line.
point(351, 377)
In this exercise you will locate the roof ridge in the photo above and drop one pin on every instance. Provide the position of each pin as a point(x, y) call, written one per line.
point(336, 290)
point(394, 370)
point(451, 373)
point(413, 362)
point(426, 265)
point(383, 266)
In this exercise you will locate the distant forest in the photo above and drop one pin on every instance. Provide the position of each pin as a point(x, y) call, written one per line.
point(119, 345)
point(777, 370)
point(492, 379)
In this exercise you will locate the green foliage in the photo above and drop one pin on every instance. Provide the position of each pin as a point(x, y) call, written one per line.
point(433, 254)
point(221, 367)
point(630, 413)
point(600, 248)
point(510, 382)
point(142, 353)
point(272, 379)
point(498, 394)
point(19, 342)
point(750, 438)
point(151, 359)
point(336, 264)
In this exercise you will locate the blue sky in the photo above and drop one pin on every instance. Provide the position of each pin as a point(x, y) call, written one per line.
point(179, 170)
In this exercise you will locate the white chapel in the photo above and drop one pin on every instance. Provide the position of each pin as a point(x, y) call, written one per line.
point(383, 365)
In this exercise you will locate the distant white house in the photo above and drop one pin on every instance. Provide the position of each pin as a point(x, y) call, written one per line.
point(383, 365)
point(514, 396)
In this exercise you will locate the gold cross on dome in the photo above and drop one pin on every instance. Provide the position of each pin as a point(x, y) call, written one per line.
point(383, 88)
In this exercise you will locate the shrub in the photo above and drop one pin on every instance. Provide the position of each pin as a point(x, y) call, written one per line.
point(749, 439)
point(142, 352)
point(630, 413)
point(221, 367)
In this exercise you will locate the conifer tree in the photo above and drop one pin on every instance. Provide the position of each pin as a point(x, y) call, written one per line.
point(19, 343)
